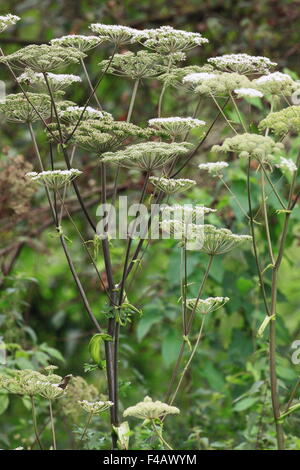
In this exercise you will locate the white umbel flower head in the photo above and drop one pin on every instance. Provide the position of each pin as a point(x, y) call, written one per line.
point(198, 77)
point(276, 83)
point(50, 391)
point(213, 168)
point(16, 107)
point(248, 93)
point(186, 213)
point(8, 20)
point(95, 407)
point(262, 148)
point(43, 58)
point(176, 126)
point(170, 185)
point(205, 306)
point(117, 34)
point(73, 113)
point(242, 63)
point(217, 241)
point(146, 156)
point(286, 165)
point(143, 64)
point(54, 179)
point(167, 40)
point(149, 409)
point(77, 41)
point(57, 81)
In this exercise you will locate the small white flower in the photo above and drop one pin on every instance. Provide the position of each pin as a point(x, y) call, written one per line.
point(78, 41)
point(199, 77)
point(276, 83)
point(8, 20)
point(213, 168)
point(149, 409)
point(205, 306)
point(95, 406)
point(248, 93)
point(57, 80)
point(286, 165)
point(54, 179)
point(170, 185)
point(242, 63)
point(116, 34)
point(176, 125)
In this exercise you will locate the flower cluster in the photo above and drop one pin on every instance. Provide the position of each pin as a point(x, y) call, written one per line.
point(95, 407)
point(248, 93)
point(17, 108)
point(186, 213)
point(284, 121)
point(49, 390)
point(166, 39)
point(72, 114)
point(242, 63)
point(175, 76)
point(205, 306)
point(217, 84)
point(170, 185)
point(217, 241)
point(54, 179)
point(117, 34)
point(107, 135)
point(147, 156)
point(213, 168)
point(43, 58)
point(77, 41)
point(262, 148)
point(276, 83)
point(136, 66)
point(57, 81)
point(286, 165)
point(31, 382)
point(149, 409)
point(183, 230)
point(176, 126)
point(8, 20)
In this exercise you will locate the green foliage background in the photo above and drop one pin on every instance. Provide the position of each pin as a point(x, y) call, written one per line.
point(224, 395)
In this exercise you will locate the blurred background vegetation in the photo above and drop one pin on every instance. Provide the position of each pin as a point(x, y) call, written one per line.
point(223, 400)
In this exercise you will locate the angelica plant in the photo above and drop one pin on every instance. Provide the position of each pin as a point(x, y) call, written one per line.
point(158, 151)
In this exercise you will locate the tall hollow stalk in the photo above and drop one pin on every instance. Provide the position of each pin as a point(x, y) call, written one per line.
point(36, 432)
point(132, 100)
point(52, 425)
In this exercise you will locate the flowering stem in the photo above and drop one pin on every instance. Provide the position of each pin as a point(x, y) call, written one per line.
point(163, 90)
point(35, 422)
point(189, 326)
point(233, 195)
point(132, 100)
point(86, 426)
point(159, 435)
point(238, 113)
point(90, 83)
point(259, 271)
point(223, 114)
point(189, 361)
point(52, 425)
point(265, 215)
